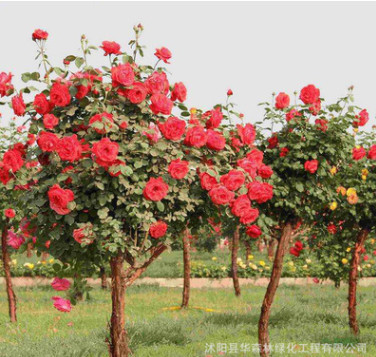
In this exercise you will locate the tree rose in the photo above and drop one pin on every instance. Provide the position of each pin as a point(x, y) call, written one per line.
point(5, 84)
point(61, 304)
point(60, 284)
point(122, 75)
point(41, 104)
point(215, 140)
point(137, 94)
point(50, 121)
point(110, 48)
point(196, 136)
point(246, 133)
point(161, 104)
point(9, 213)
point(179, 92)
point(309, 94)
point(253, 231)
point(207, 181)
point(47, 141)
point(163, 54)
point(69, 148)
point(358, 153)
point(105, 118)
point(12, 159)
point(18, 105)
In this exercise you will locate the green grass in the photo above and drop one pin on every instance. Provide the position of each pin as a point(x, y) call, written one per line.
point(301, 314)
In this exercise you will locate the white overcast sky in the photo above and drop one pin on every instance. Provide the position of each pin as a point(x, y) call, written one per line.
point(253, 48)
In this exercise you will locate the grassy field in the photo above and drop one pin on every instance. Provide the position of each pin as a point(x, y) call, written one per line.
point(301, 315)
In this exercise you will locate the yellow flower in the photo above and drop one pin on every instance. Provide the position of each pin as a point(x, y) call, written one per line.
point(308, 261)
point(291, 264)
point(365, 172)
point(193, 110)
point(348, 250)
point(253, 266)
point(239, 260)
point(51, 261)
point(333, 170)
point(333, 205)
point(373, 241)
point(351, 191)
point(29, 265)
point(267, 268)
point(344, 261)
point(305, 266)
point(364, 177)
point(44, 262)
point(356, 130)
point(243, 266)
point(14, 261)
point(262, 263)
point(214, 258)
point(250, 257)
point(224, 268)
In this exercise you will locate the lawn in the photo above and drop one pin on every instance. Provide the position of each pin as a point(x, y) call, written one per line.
point(301, 315)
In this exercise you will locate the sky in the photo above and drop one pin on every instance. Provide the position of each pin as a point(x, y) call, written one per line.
point(254, 48)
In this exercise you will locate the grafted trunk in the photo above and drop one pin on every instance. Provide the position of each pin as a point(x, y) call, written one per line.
point(119, 342)
point(187, 269)
point(353, 277)
point(234, 261)
point(248, 251)
point(8, 279)
point(103, 276)
point(263, 333)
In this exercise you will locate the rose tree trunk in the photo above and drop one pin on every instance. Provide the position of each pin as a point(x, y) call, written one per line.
point(353, 276)
point(234, 261)
point(187, 269)
point(8, 279)
point(119, 342)
point(263, 333)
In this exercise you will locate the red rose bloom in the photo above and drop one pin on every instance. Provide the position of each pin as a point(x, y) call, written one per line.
point(137, 93)
point(273, 142)
point(59, 199)
point(50, 121)
point(196, 136)
point(18, 105)
point(105, 152)
point(265, 171)
point(105, 118)
point(69, 148)
point(246, 133)
point(122, 75)
point(315, 107)
point(173, 128)
point(253, 231)
point(233, 180)
point(220, 195)
point(372, 152)
point(161, 104)
point(294, 251)
point(179, 92)
point(332, 229)
point(178, 169)
point(207, 181)
point(257, 156)
point(158, 229)
point(292, 114)
point(157, 83)
point(322, 124)
point(41, 104)
point(9, 213)
point(215, 141)
point(12, 160)
point(282, 101)
point(47, 141)
point(249, 166)
point(249, 215)
point(156, 189)
point(240, 205)
point(110, 48)
point(284, 152)
point(358, 153)
point(5, 83)
point(309, 94)
point(59, 95)
point(362, 118)
point(4, 174)
point(215, 118)
point(311, 166)
point(39, 35)
point(260, 191)
point(163, 54)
